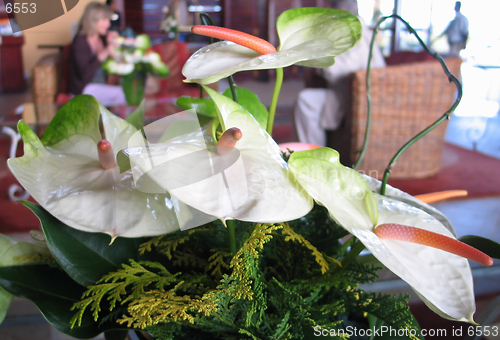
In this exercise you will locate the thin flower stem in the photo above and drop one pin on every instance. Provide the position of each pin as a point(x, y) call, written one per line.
point(207, 21)
point(356, 248)
point(444, 117)
point(274, 101)
point(232, 86)
point(353, 254)
point(232, 236)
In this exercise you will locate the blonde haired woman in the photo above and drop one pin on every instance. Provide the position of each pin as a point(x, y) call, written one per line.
point(89, 49)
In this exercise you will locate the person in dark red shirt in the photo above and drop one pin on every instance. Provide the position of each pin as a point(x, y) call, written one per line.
point(90, 48)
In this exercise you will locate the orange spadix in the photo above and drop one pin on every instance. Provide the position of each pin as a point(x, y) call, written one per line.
point(106, 155)
point(244, 39)
point(228, 141)
point(393, 231)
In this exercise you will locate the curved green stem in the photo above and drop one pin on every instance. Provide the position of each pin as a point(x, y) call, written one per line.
point(444, 117)
point(369, 103)
point(231, 232)
point(274, 101)
point(421, 134)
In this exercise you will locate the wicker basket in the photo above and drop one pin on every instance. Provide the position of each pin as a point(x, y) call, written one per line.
point(405, 99)
point(45, 78)
point(44, 98)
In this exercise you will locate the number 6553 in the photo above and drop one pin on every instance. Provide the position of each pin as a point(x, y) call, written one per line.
point(21, 8)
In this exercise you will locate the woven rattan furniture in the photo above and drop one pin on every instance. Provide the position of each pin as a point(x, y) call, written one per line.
point(405, 99)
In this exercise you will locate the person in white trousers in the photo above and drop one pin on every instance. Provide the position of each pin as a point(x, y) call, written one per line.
point(318, 109)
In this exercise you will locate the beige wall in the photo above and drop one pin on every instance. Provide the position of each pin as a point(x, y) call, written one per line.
point(55, 32)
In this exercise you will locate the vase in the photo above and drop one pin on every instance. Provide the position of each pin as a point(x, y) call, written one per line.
point(133, 86)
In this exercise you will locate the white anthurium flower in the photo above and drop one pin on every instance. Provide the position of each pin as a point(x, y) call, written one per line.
point(160, 69)
point(134, 58)
point(308, 36)
point(142, 42)
point(152, 57)
point(443, 280)
point(124, 68)
point(120, 68)
point(74, 176)
point(10, 250)
point(245, 179)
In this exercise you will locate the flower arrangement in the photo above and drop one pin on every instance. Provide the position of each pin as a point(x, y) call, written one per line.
point(170, 24)
point(133, 60)
point(212, 232)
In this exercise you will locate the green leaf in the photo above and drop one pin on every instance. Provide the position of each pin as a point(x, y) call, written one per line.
point(340, 189)
point(86, 257)
point(80, 116)
point(136, 118)
point(487, 246)
point(204, 107)
point(54, 293)
point(250, 102)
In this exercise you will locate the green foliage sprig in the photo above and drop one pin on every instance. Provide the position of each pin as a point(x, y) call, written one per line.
point(284, 280)
point(125, 285)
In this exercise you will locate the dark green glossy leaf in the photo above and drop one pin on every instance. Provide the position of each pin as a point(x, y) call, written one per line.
point(136, 118)
point(487, 246)
point(250, 102)
point(205, 108)
point(86, 257)
point(201, 105)
point(54, 293)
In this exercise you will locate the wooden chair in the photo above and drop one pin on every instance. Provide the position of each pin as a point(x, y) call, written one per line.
point(405, 99)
